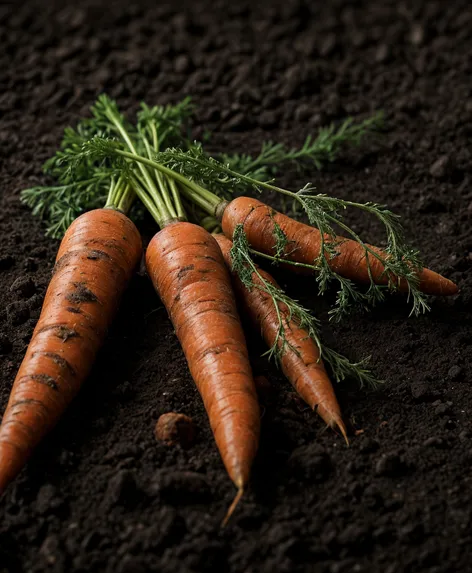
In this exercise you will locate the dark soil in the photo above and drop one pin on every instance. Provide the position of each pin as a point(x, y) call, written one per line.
point(102, 494)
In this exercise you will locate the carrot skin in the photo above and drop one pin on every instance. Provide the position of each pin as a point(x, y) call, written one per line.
point(188, 272)
point(304, 369)
point(305, 246)
point(94, 263)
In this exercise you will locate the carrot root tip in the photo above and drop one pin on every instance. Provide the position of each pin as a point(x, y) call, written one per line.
point(233, 506)
point(336, 423)
point(342, 429)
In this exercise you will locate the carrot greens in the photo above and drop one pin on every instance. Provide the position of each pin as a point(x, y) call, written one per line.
point(315, 151)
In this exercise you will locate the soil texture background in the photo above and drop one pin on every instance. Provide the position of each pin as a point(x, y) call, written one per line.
point(101, 494)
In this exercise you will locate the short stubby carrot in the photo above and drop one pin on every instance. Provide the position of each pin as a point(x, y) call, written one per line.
point(305, 245)
point(190, 276)
point(95, 261)
point(300, 361)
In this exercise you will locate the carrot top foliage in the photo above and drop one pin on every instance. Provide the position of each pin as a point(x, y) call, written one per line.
point(158, 128)
point(315, 151)
point(87, 185)
point(175, 178)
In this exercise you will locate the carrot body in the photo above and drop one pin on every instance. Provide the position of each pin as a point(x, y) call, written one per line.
point(93, 266)
point(301, 361)
point(305, 246)
point(189, 274)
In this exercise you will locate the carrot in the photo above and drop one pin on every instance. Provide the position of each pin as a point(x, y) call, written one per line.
point(300, 360)
point(93, 266)
point(188, 272)
point(304, 246)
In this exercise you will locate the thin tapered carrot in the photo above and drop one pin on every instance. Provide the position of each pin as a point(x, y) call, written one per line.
point(189, 274)
point(300, 361)
point(304, 246)
point(93, 266)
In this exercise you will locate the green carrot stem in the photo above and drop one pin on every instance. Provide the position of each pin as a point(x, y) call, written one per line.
point(177, 198)
point(198, 200)
point(209, 201)
point(162, 183)
point(126, 200)
point(160, 204)
point(150, 205)
point(120, 196)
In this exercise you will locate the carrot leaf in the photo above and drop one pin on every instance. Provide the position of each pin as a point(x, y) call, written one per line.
point(315, 151)
point(61, 204)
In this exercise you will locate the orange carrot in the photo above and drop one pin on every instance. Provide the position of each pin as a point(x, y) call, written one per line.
point(188, 271)
point(305, 245)
point(300, 360)
point(93, 266)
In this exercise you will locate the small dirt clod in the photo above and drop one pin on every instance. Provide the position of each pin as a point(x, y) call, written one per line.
point(175, 430)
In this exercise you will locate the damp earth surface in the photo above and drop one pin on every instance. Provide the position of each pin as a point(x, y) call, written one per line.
point(101, 494)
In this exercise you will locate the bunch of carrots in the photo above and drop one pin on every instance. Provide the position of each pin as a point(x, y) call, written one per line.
point(202, 263)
